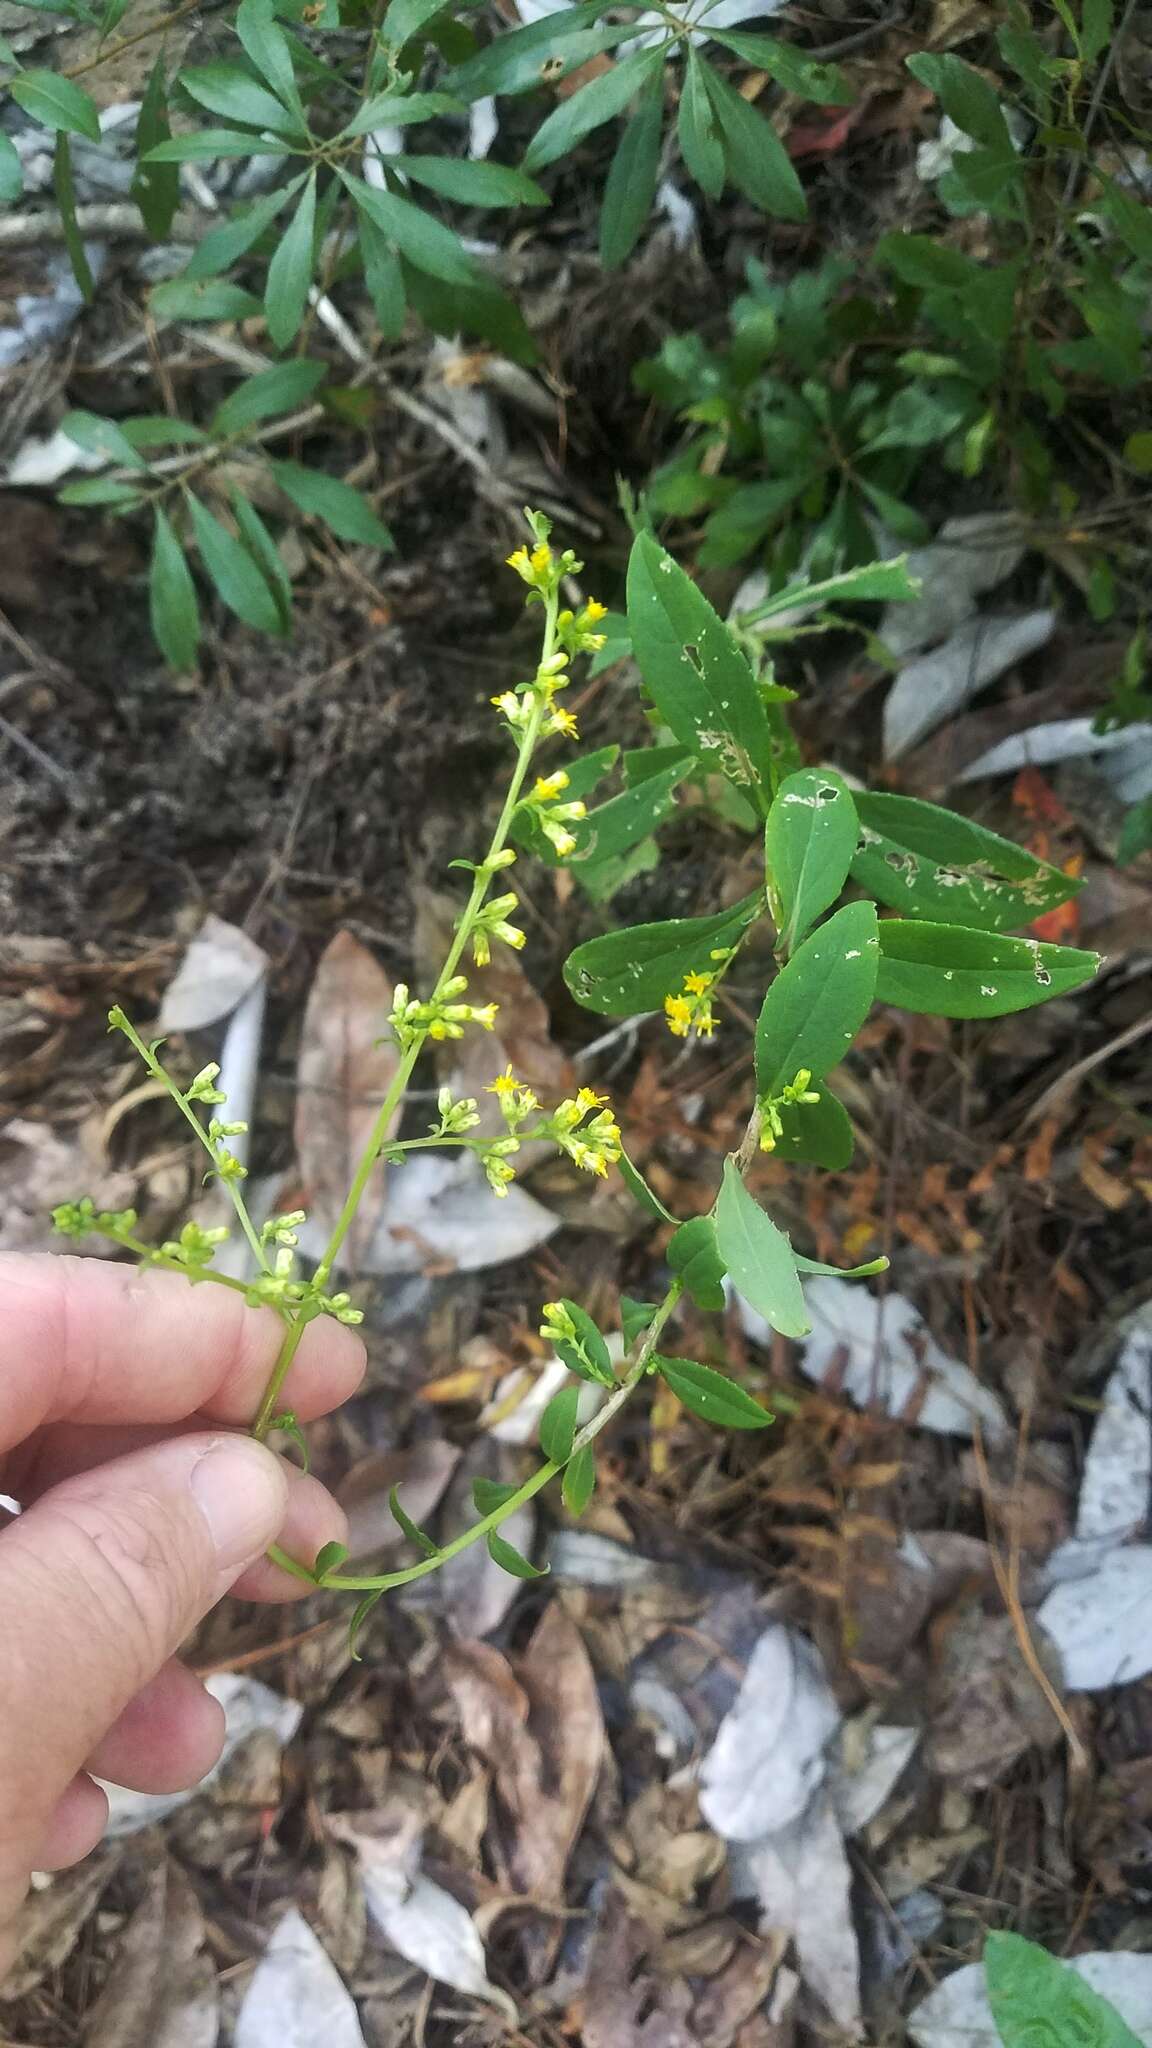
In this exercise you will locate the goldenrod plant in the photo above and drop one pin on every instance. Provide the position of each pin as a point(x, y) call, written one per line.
point(957, 891)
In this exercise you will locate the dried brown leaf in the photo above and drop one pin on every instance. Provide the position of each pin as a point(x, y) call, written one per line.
point(343, 1074)
point(162, 1991)
point(49, 1923)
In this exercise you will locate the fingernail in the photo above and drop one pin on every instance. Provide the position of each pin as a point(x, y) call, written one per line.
point(242, 1493)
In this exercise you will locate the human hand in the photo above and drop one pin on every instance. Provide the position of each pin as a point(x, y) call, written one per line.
point(119, 1393)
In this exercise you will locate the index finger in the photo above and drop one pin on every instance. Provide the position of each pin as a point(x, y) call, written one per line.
point(83, 1341)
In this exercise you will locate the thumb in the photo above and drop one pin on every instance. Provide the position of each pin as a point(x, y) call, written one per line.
point(100, 1582)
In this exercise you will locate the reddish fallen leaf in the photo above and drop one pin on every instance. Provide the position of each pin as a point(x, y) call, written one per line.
point(342, 1075)
point(1035, 796)
point(824, 138)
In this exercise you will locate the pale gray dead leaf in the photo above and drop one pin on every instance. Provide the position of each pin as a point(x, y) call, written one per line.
point(471, 1590)
point(957, 2014)
point(441, 1216)
point(296, 1998)
point(931, 688)
point(1117, 1483)
point(346, 1065)
point(219, 968)
point(1127, 754)
point(769, 1752)
point(43, 460)
point(420, 1475)
point(519, 1400)
point(709, 15)
point(248, 1708)
point(420, 1920)
point(968, 556)
point(881, 1350)
point(1100, 1623)
point(162, 1991)
point(863, 1767)
point(803, 1882)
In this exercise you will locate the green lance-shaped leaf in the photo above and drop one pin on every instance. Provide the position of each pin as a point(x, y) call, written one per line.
point(713, 1396)
point(330, 1559)
point(223, 246)
point(929, 863)
point(579, 1481)
point(757, 159)
point(632, 177)
point(174, 610)
point(639, 1189)
point(697, 133)
point(11, 170)
point(587, 1355)
point(558, 1424)
point(595, 103)
point(630, 971)
point(227, 90)
point(818, 1002)
point(279, 389)
point(694, 672)
point(56, 102)
point(182, 298)
point(472, 183)
point(824, 84)
point(99, 436)
point(343, 510)
point(1035, 1997)
point(290, 271)
point(759, 1257)
point(425, 1544)
point(509, 1559)
point(267, 45)
point(232, 570)
point(943, 970)
point(426, 242)
point(809, 841)
point(489, 1495)
point(694, 1253)
point(265, 552)
point(873, 583)
point(155, 186)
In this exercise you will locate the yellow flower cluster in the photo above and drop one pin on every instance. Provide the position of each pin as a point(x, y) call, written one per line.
point(581, 1126)
point(772, 1126)
point(555, 819)
point(691, 1010)
point(443, 1017)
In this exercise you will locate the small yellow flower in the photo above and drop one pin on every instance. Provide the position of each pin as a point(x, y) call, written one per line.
point(593, 611)
point(541, 559)
point(548, 786)
point(678, 1011)
point(698, 984)
point(562, 722)
point(486, 1016)
point(587, 1098)
point(520, 562)
point(505, 1085)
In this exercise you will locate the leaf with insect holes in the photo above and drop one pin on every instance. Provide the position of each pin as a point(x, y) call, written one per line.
point(613, 828)
point(698, 679)
point(632, 970)
point(174, 610)
point(515, 62)
point(809, 840)
point(824, 84)
point(944, 970)
point(328, 498)
point(290, 271)
point(600, 100)
point(930, 863)
point(579, 1481)
point(56, 102)
point(694, 1253)
point(232, 571)
point(630, 188)
point(510, 1560)
point(711, 1395)
point(558, 1424)
point(424, 1543)
point(818, 1002)
point(1032, 1993)
point(759, 1258)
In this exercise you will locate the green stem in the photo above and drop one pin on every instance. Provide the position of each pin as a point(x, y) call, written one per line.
point(378, 1137)
point(190, 1117)
point(638, 1366)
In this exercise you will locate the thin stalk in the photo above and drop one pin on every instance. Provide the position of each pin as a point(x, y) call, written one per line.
point(645, 1347)
point(378, 1137)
